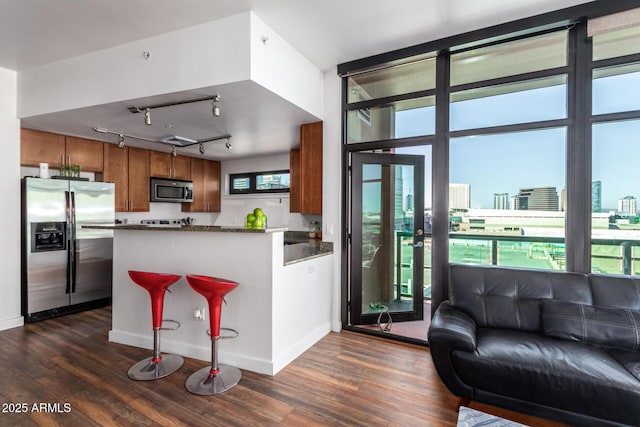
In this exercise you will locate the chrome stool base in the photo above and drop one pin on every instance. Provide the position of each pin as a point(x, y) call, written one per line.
point(146, 370)
point(203, 383)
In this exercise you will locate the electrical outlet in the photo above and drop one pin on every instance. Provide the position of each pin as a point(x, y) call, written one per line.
point(329, 231)
point(199, 313)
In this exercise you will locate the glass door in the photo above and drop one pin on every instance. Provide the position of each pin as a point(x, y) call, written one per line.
point(387, 238)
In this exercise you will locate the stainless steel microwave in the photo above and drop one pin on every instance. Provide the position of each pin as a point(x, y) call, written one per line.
point(171, 190)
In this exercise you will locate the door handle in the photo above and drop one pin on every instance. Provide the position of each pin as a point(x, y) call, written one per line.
point(419, 244)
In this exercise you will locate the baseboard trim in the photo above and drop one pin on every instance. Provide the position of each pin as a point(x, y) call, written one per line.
point(294, 351)
point(203, 353)
point(11, 323)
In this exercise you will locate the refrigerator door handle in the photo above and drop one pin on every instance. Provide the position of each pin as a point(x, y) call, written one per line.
point(73, 242)
point(67, 204)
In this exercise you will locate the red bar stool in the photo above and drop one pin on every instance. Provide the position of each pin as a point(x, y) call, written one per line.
point(158, 366)
point(217, 378)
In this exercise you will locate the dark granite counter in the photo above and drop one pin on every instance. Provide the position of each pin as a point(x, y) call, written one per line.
point(202, 228)
point(297, 246)
point(297, 252)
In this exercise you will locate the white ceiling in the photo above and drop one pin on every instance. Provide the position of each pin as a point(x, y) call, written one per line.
point(327, 32)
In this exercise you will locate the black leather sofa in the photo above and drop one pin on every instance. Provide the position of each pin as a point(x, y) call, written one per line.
point(562, 346)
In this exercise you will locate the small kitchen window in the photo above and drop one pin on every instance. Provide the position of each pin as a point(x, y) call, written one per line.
point(260, 182)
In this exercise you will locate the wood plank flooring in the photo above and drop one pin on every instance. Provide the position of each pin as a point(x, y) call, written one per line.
point(75, 377)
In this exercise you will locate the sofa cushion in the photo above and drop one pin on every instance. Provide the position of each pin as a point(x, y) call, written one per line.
point(616, 291)
point(510, 298)
point(557, 373)
point(630, 360)
point(591, 324)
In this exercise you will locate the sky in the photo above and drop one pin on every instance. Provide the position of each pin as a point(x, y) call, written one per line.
point(505, 163)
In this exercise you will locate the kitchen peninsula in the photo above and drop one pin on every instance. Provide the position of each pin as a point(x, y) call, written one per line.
point(281, 307)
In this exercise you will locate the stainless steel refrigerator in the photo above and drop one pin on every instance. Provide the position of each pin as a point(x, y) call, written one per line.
point(65, 267)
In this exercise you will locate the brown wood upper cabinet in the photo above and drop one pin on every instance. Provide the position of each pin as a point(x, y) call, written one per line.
point(164, 165)
point(43, 147)
point(306, 171)
point(128, 168)
point(205, 175)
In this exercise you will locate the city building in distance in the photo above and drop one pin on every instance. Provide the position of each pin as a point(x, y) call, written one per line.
point(501, 200)
point(537, 199)
point(596, 196)
point(459, 196)
point(628, 206)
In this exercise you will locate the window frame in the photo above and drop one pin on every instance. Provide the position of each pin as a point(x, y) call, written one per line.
point(578, 124)
point(253, 179)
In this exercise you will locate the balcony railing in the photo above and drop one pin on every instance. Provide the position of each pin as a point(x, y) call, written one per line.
point(608, 256)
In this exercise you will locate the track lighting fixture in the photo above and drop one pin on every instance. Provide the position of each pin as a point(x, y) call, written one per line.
point(173, 140)
point(215, 107)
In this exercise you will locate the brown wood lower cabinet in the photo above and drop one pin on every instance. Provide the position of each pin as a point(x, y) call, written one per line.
point(205, 175)
point(128, 168)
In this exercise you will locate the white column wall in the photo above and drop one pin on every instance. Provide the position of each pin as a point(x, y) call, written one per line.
point(277, 66)
point(10, 216)
point(331, 185)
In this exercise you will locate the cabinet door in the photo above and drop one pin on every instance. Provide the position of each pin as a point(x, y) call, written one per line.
point(212, 186)
point(197, 176)
point(86, 153)
point(181, 167)
point(311, 168)
point(160, 164)
point(116, 170)
point(138, 180)
point(41, 147)
point(294, 176)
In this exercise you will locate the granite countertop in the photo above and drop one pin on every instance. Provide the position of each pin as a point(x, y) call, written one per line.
point(205, 228)
point(297, 252)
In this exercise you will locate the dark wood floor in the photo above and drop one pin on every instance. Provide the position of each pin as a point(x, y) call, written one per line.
point(346, 379)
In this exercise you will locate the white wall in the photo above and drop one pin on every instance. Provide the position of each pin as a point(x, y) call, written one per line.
point(10, 215)
point(331, 185)
point(186, 59)
point(277, 66)
point(234, 208)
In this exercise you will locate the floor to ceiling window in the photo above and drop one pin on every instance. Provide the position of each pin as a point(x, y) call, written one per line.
point(531, 129)
point(615, 152)
point(507, 185)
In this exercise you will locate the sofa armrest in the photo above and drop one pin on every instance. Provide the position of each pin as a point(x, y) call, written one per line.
point(453, 328)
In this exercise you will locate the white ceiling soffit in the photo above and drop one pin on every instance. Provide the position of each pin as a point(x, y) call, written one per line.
point(327, 32)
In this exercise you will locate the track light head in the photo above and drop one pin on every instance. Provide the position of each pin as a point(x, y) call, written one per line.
point(215, 108)
point(147, 117)
point(173, 151)
point(201, 149)
point(228, 145)
point(121, 141)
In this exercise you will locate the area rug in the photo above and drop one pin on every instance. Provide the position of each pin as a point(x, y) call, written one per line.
point(468, 417)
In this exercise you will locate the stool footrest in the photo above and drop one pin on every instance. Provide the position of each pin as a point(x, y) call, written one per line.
point(234, 333)
point(170, 321)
